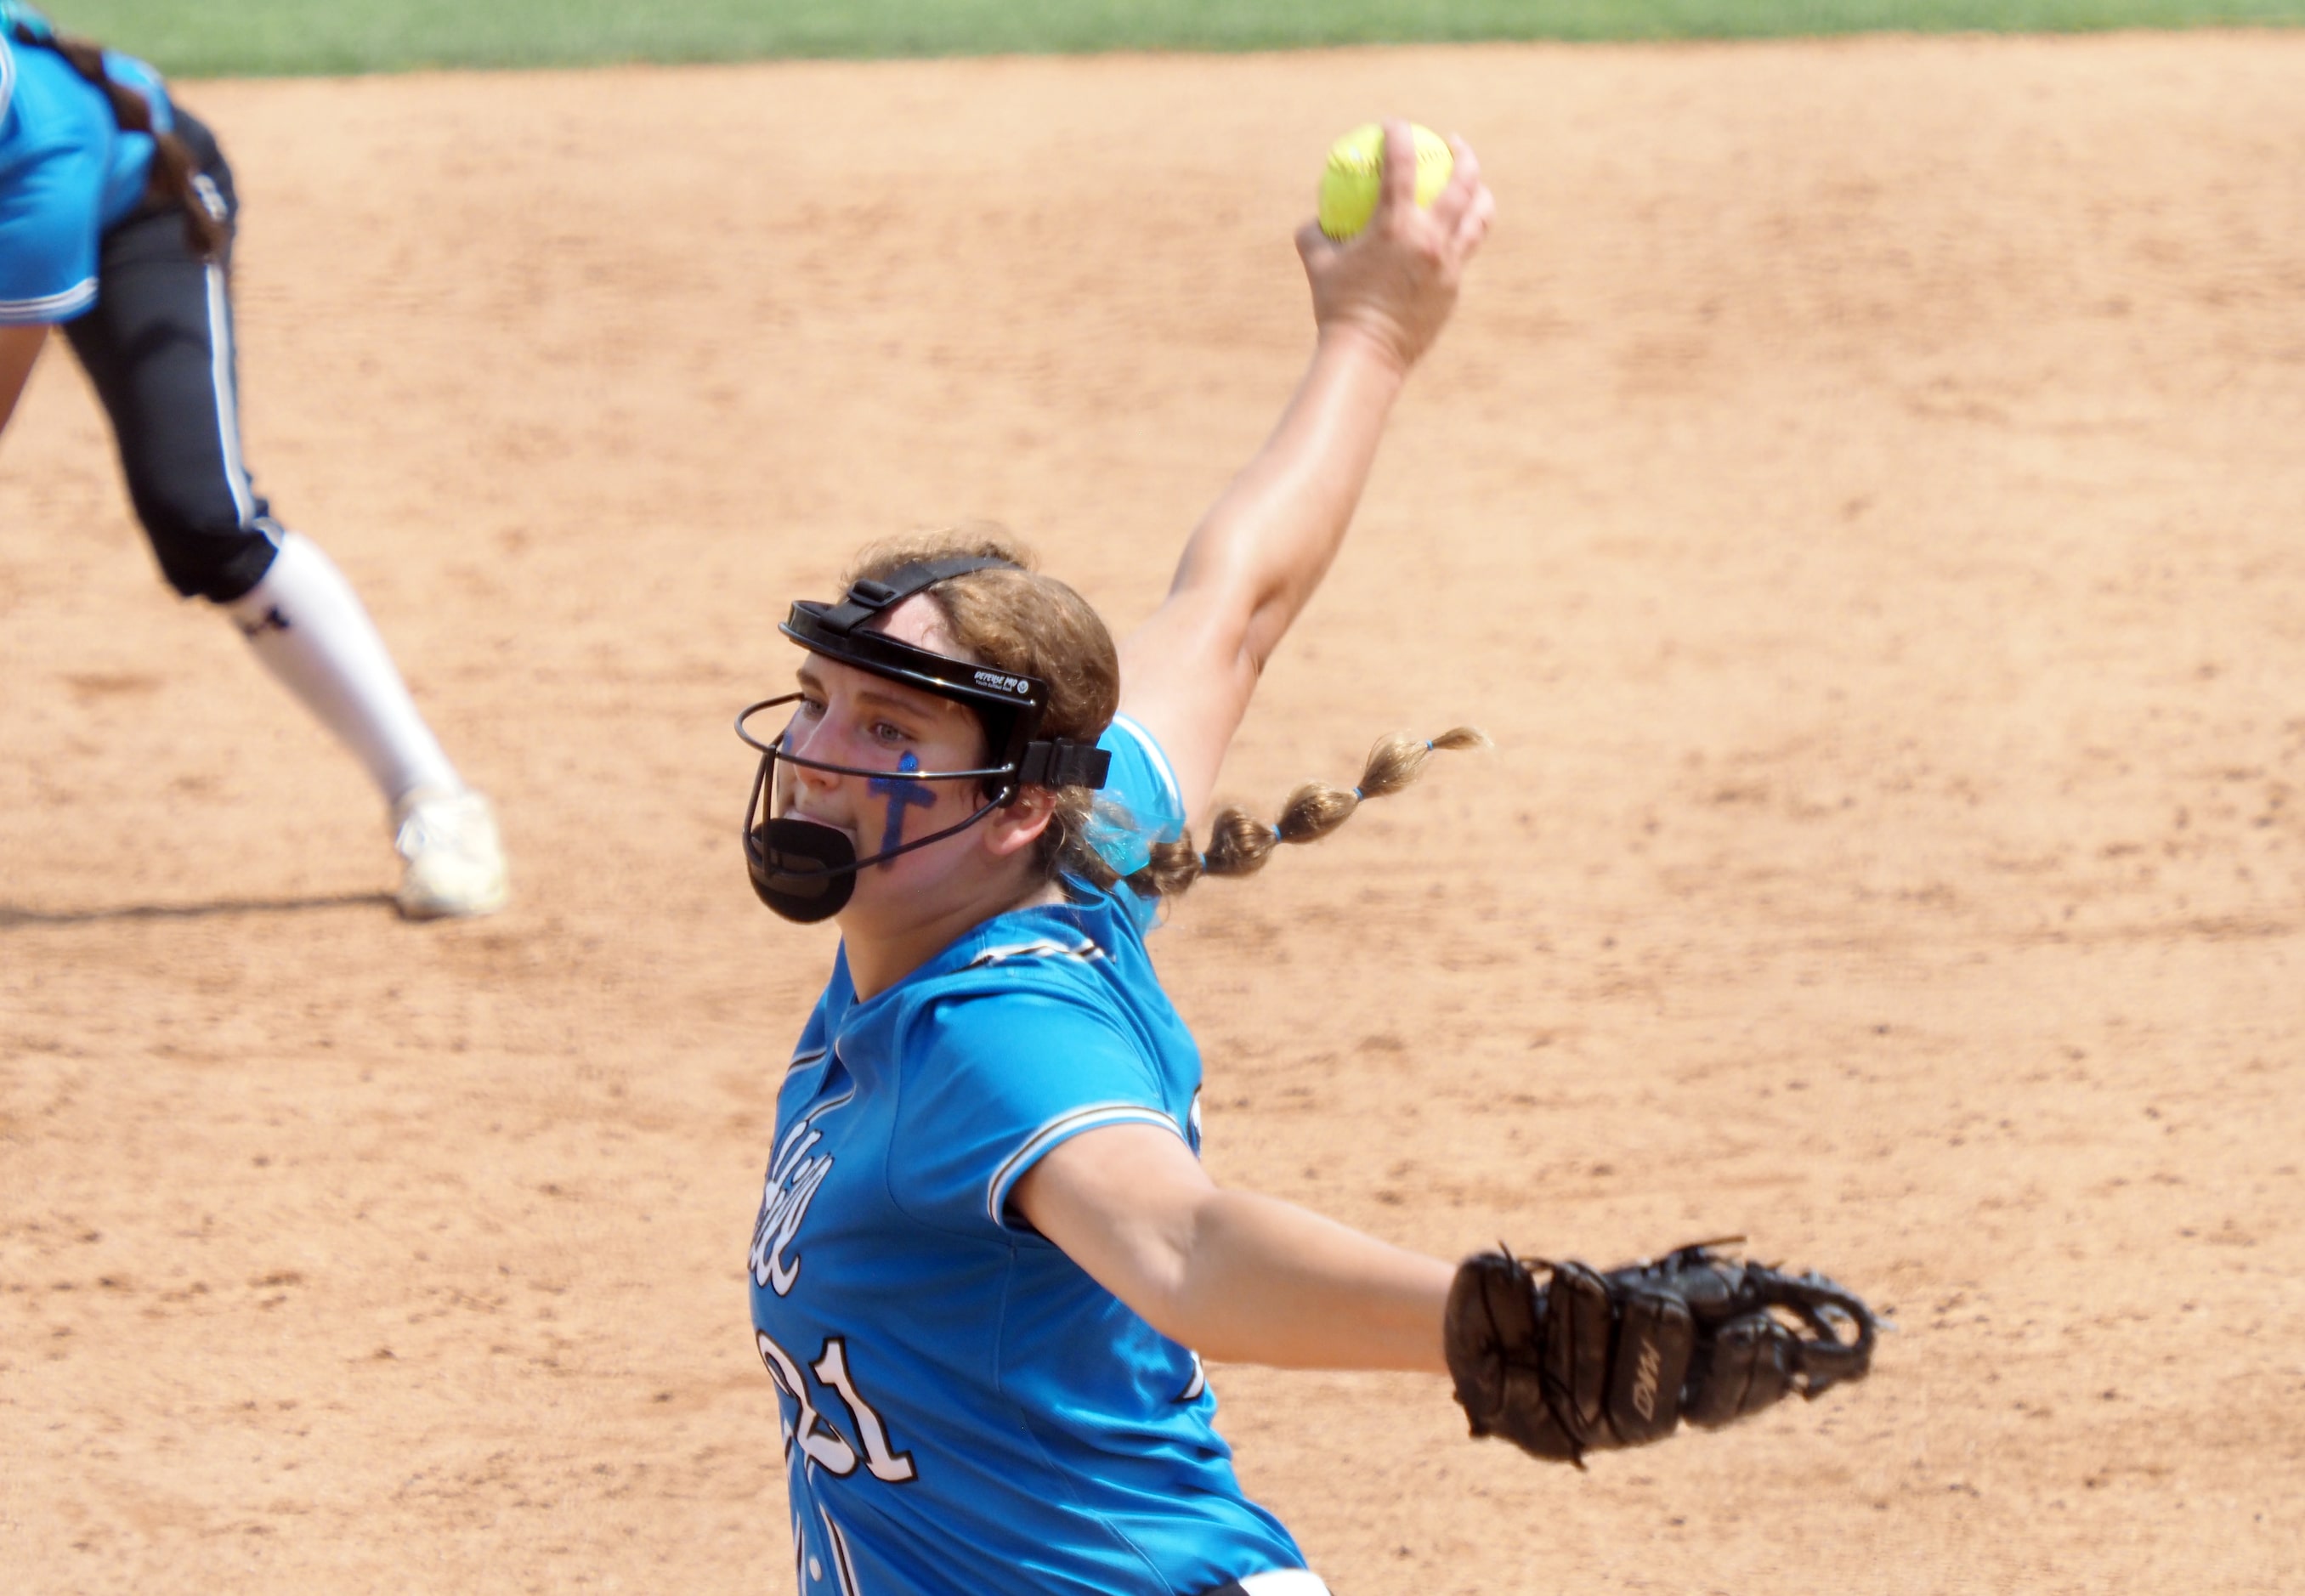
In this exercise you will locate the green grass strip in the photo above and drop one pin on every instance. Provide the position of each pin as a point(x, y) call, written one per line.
point(219, 38)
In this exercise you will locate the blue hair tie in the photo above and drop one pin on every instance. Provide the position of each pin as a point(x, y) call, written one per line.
point(1360, 797)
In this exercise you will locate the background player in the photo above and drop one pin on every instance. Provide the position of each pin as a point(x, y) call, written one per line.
point(117, 221)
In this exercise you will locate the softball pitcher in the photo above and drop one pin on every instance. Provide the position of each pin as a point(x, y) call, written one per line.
point(117, 223)
point(987, 1260)
point(986, 1256)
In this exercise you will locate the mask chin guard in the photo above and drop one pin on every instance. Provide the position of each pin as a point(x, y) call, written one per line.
point(806, 871)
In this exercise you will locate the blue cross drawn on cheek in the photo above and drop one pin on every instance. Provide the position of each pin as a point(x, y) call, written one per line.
point(901, 796)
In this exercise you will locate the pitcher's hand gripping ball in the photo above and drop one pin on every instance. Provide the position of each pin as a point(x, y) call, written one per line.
point(1581, 1361)
point(1355, 178)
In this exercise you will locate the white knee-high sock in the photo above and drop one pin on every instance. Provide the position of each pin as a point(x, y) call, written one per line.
point(310, 629)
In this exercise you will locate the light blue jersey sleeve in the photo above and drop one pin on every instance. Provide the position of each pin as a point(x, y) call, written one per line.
point(66, 173)
point(1140, 804)
point(999, 1081)
point(51, 198)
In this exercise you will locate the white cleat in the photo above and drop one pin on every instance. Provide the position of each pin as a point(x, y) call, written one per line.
point(455, 860)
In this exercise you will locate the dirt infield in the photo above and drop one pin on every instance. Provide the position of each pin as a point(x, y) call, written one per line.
point(1861, 496)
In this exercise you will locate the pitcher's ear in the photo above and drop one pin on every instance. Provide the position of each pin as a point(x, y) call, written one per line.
point(1017, 824)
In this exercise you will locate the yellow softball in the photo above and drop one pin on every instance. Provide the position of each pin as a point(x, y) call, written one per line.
point(1355, 177)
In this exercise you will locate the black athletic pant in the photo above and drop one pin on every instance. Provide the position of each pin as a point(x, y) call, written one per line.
point(158, 348)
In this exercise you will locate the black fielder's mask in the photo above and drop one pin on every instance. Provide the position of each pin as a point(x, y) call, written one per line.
point(807, 870)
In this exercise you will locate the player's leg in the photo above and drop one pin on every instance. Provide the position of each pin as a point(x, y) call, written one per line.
point(157, 348)
point(19, 347)
point(308, 627)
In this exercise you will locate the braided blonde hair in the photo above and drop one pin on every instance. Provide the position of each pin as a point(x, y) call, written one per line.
point(1239, 843)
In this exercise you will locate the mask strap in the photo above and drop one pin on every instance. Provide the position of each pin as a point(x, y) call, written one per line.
point(869, 597)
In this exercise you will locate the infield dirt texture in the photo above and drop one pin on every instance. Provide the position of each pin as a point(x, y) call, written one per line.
point(1861, 494)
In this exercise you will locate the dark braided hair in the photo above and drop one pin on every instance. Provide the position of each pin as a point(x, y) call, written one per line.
point(173, 165)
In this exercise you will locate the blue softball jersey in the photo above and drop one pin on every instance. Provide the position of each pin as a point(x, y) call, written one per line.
point(963, 1409)
point(67, 172)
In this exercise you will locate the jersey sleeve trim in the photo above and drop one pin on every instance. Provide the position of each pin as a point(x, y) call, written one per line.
point(1063, 1129)
point(1282, 1582)
point(51, 307)
point(1041, 948)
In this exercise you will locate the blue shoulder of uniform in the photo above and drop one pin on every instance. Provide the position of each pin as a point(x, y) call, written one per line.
point(7, 73)
point(26, 20)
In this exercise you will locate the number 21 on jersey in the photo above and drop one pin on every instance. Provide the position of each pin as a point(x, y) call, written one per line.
point(819, 1439)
